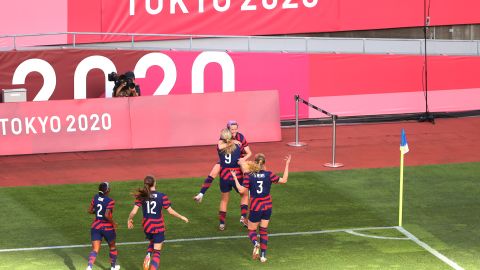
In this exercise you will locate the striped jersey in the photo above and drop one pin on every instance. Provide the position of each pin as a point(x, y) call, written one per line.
point(152, 212)
point(239, 137)
point(229, 162)
point(259, 185)
point(99, 206)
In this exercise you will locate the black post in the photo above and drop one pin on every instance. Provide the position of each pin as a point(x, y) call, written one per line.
point(427, 116)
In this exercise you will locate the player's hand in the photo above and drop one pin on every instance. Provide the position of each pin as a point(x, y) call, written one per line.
point(185, 219)
point(288, 158)
point(130, 224)
point(198, 198)
point(237, 142)
point(115, 225)
point(234, 174)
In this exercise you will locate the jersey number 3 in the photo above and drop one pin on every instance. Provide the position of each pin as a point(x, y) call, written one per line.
point(260, 187)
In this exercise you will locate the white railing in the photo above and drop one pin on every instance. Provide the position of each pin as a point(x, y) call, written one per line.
point(237, 43)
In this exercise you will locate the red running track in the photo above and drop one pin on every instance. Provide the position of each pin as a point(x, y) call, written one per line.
point(358, 146)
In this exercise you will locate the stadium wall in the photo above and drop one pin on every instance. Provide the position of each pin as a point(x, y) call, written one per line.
point(344, 84)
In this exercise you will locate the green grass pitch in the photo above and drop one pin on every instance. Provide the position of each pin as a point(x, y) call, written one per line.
point(440, 208)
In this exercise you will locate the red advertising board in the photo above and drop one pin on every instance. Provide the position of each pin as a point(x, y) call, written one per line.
point(138, 122)
point(64, 126)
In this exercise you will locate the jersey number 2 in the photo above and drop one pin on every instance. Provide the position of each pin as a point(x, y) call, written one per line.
point(99, 210)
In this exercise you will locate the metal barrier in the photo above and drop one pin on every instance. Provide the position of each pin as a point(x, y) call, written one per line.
point(334, 117)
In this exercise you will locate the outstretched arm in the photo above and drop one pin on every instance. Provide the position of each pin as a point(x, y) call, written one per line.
point(177, 215)
point(284, 178)
point(131, 216)
point(241, 189)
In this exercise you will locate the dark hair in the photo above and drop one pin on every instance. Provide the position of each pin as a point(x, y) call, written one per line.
point(145, 194)
point(103, 188)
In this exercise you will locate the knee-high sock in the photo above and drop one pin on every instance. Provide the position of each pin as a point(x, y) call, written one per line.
point(263, 241)
point(243, 210)
point(155, 261)
point(206, 184)
point(252, 234)
point(91, 258)
point(221, 216)
point(150, 248)
point(113, 257)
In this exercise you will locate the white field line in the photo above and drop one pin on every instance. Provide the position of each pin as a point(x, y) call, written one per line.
point(376, 236)
point(428, 248)
point(199, 239)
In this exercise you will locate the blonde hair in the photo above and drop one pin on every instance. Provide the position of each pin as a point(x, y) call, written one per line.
point(257, 165)
point(226, 136)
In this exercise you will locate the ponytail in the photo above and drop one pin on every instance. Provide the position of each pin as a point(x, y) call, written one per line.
point(145, 193)
point(257, 165)
point(103, 188)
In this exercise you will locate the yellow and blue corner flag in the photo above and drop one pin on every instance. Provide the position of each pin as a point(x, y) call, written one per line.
point(403, 143)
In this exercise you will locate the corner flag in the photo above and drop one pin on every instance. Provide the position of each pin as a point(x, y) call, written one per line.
point(403, 150)
point(403, 143)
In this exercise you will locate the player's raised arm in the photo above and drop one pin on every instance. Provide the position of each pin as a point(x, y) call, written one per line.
point(284, 178)
point(177, 215)
point(241, 189)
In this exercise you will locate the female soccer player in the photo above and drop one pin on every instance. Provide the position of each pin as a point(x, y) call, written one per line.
point(152, 202)
point(103, 225)
point(240, 140)
point(259, 181)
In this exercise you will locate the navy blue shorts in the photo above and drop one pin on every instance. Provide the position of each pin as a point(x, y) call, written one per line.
point(156, 237)
point(227, 185)
point(257, 216)
point(97, 235)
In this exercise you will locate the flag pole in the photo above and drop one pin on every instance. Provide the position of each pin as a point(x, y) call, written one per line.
point(400, 206)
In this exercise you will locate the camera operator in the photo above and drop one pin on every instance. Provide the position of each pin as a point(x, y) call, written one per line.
point(124, 85)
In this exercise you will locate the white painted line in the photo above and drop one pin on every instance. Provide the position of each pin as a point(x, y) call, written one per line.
point(376, 236)
point(200, 239)
point(428, 248)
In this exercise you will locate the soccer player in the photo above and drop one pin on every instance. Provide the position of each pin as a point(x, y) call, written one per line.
point(103, 225)
point(240, 140)
point(152, 203)
point(258, 181)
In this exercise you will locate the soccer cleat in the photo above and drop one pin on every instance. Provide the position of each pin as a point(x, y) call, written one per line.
point(263, 259)
point(244, 222)
point(198, 198)
point(117, 267)
point(89, 268)
point(256, 251)
point(146, 262)
point(221, 227)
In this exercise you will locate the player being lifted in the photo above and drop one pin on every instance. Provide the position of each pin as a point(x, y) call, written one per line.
point(103, 225)
point(245, 151)
point(152, 203)
point(258, 182)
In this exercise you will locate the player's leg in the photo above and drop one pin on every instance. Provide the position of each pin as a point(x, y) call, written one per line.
point(244, 209)
point(254, 220)
point(264, 234)
point(207, 182)
point(96, 238)
point(110, 236)
point(222, 212)
point(148, 256)
point(158, 239)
